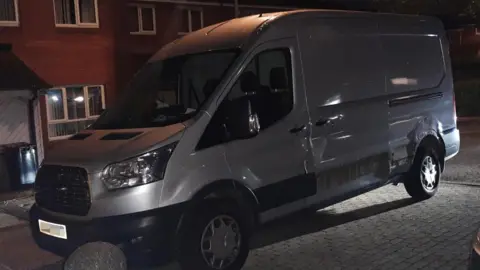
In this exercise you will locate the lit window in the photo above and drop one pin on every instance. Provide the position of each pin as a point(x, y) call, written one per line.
point(192, 20)
point(72, 109)
point(142, 19)
point(9, 13)
point(76, 13)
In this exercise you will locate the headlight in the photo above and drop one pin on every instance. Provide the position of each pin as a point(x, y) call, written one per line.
point(144, 169)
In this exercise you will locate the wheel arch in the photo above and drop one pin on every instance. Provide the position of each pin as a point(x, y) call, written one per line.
point(435, 141)
point(227, 189)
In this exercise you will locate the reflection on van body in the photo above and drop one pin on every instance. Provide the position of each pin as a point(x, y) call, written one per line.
point(249, 120)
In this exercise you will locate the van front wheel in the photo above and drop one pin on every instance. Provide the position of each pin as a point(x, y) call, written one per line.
point(424, 176)
point(214, 236)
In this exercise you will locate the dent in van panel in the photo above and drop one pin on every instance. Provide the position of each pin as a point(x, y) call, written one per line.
point(407, 131)
point(364, 173)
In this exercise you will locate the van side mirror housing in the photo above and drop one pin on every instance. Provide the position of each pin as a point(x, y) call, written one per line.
point(241, 120)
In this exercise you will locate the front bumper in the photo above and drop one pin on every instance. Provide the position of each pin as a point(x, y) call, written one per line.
point(151, 230)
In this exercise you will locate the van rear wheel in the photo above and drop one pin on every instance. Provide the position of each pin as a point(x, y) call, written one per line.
point(214, 236)
point(424, 176)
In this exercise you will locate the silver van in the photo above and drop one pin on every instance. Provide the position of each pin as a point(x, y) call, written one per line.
point(247, 121)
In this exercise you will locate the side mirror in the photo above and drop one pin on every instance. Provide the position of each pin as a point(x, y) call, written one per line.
point(242, 121)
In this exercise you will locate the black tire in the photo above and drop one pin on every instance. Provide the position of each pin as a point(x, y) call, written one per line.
point(189, 251)
point(416, 185)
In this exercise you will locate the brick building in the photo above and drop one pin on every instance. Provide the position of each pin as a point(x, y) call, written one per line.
point(465, 51)
point(88, 49)
point(465, 42)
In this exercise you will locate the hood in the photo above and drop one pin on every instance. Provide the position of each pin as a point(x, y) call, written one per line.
point(92, 148)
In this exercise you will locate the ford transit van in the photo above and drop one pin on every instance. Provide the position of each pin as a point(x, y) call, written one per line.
point(247, 121)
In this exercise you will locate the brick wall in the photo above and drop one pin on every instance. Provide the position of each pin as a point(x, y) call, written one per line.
point(63, 55)
point(465, 43)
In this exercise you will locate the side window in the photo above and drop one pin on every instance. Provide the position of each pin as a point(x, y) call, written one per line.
point(267, 79)
point(267, 83)
point(413, 62)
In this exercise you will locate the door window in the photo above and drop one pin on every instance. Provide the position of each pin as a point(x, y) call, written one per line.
point(267, 80)
point(267, 83)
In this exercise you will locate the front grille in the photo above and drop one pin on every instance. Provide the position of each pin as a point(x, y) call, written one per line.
point(63, 190)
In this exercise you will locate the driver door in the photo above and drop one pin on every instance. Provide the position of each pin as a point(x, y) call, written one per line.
point(272, 163)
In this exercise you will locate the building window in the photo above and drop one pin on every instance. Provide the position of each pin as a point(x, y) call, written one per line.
point(142, 20)
point(72, 109)
point(9, 13)
point(192, 20)
point(82, 13)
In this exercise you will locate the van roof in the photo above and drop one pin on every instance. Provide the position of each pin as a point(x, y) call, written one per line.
point(225, 35)
point(236, 32)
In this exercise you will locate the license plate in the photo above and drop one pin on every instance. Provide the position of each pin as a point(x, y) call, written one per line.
point(52, 229)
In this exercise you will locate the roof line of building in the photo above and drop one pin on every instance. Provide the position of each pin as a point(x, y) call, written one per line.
point(201, 3)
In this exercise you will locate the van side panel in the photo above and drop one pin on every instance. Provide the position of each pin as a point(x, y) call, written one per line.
point(419, 86)
point(345, 85)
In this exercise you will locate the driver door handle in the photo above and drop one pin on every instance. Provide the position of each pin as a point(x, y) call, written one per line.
point(328, 120)
point(297, 129)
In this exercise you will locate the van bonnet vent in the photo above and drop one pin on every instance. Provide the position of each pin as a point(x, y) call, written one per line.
point(120, 136)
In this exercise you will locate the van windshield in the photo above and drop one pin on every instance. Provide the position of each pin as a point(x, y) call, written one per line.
point(168, 91)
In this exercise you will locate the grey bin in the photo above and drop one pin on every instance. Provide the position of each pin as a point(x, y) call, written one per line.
point(21, 165)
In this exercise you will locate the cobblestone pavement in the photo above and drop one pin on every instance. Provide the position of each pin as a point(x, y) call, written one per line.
point(465, 167)
point(383, 229)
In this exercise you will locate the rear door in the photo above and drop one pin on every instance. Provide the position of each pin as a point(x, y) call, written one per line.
point(345, 89)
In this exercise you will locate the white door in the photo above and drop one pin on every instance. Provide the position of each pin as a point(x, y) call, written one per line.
point(14, 126)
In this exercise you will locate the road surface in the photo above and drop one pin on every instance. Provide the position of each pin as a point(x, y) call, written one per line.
point(383, 229)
